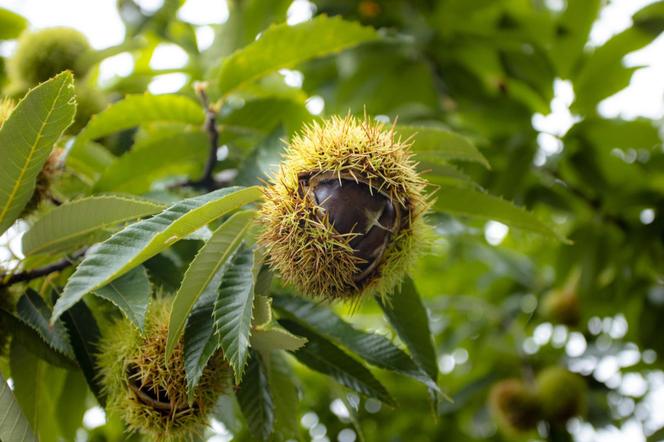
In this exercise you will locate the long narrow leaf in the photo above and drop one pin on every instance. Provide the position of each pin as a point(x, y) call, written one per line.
point(283, 45)
point(200, 340)
point(475, 203)
point(232, 310)
point(139, 109)
point(374, 348)
point(435, 142)
point(323, 356)
point(84, 336)
point(209, 259)
point(255, 399)
point(73, 224)
point(32, 309)
point(14, 427)
point(409, 318)
point(27, 138)
point(144, 239)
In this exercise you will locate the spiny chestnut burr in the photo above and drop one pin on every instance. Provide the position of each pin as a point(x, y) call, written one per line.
point(343, 216)
point(42, 54)
point(149, 392)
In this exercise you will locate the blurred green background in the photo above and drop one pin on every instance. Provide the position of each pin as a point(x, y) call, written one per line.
point(522, 79)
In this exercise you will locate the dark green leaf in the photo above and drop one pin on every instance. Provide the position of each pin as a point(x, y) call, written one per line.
point(475, 203)
point(27, 337)
point(232, 310)
point(32, 309)
point(375, 349)
point(200, 340)
point(323, 356)
point(84, 336)
point(406, 313)
point(255, 399)
point(130, 293)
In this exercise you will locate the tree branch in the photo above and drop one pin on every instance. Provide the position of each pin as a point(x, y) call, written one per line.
point(29, 275)
point(207, 180)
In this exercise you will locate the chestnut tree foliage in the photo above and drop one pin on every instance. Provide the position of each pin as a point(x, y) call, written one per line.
point(126, 199)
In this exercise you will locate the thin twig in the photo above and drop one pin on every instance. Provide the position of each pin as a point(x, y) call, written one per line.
point(29, 275)
point(207, 180)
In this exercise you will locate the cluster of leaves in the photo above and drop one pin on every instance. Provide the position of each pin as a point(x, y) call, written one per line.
point(146, 206)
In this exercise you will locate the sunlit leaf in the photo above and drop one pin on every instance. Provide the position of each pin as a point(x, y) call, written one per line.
point(182, 154)
point(440, 143)
point(144, 239)
point(200, 273)
point(80, 222)
point(281, 46)
point(135, 110)
point(27, 138)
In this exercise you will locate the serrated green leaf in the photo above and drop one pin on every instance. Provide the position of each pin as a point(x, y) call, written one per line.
point(136, 171)
point(406, 313)
point(84, 336)
point(265, 341)
point(130, 293)
point(255, 399)
point(445, 174)
point(373, 348)
point(78, 222)
point(281, 46)
point(323, 356)
point(135, 110)
point(14, 427)
point(232, 310)
point(478, 204)
point(27, 337)
point(32, 309)
point(209, 259)
point(144, 239)
point(11, 24)
point(27, 138)
point(200, 340)
point(438, 143)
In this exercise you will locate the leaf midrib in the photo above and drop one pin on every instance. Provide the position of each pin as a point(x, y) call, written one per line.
point(33, 148)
